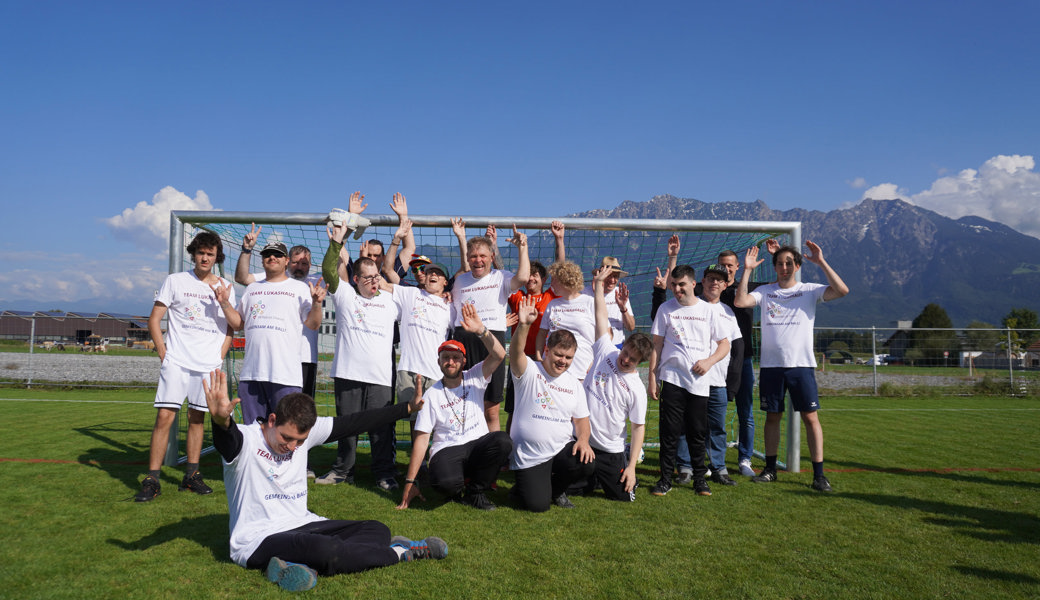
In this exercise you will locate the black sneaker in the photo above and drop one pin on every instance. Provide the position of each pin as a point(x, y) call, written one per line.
point(431, 547)
point(194, 483)
point(722, 479)
point(661, 488)
point(766, 476)
point(701, 487)
point(563, 501)
point(685, 477)
point(821, 484)
point(150, 488)
point(478, 500)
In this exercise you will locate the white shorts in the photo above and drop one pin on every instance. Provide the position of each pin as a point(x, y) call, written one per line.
point(177, 383)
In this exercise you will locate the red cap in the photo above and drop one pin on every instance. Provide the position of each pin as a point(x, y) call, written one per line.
point(452, 345)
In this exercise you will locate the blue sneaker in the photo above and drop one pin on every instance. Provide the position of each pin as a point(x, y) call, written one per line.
point(431, 547)
point(292, 577)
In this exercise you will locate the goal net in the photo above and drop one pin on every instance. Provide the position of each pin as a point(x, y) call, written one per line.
point(640, 245)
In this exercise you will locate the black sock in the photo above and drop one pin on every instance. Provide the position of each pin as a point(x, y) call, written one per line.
point(190, 469)
point(771, 463)
point(154, 474)
point(817, 469)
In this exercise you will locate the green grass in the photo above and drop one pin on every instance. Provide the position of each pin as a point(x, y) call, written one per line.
point(935, 497)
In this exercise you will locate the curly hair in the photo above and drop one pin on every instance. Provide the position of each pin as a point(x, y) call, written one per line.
point(206, 239)
point(568, 275)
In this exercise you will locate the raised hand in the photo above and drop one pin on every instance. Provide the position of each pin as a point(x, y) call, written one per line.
point(355, 205)
point(557, 229)
point(492, 234)
point(318, 291)
point(526, 311)
point(674, 245)
point(814, 255)
point(417, 401)
point(600, 274)
point(458, 227)
point(751, 259)
point(772, 245)
point(249, 239)
point(470, 320)
point(621, 295)
point(221, 291)
point(399, 206)
point(660, 280)
point(519, 239)
point(336, 232)
point(215, 388)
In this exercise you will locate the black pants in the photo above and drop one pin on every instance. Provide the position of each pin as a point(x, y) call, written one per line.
point(538, 485)
point(682, 413)
point(310, 377)
point(329, 547)
point(355, 396)
point(608, 469)
point(478, 461)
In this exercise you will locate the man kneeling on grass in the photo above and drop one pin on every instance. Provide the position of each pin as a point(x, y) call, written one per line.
point(266, 482)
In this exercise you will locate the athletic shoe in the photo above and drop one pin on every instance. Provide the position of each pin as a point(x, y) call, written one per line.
point(661, 488)
point(821, 484)
point(745, 468)
point(766, 476)
point(389, 484)
point(478, 500)
point(150, 488)
point(684, 478)
point(311, 474)
point(707, 473)
point(195, 484)
point(291, 577)
point(722, 479)
point(563, 501)
point(431, 547)
point(701, 487)
point(333, 478)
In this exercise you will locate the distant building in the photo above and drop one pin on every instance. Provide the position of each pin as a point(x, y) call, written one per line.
point(72, 328)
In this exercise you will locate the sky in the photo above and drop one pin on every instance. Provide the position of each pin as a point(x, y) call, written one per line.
point(114, 113)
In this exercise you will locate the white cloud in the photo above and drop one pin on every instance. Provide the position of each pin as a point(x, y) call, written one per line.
point(147, 225)
point(1005, 189)
point(858, 183)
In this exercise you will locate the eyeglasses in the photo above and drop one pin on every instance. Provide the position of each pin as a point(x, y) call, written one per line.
point(418, 269)
point(368, 278)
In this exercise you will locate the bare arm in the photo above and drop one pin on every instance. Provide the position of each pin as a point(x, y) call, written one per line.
point(496, 257)
point(419, 446)
point(524, 270)
point(458, 227)
point(223, 295)
point(704, 365)
point(155, 329)
point(582, 449)
point(242, 274)
point(628, 320)
point(655, 356)
point(836, 288)
point(558, 231)
point(400, 206)
point(602, 319)
point(628, 476)
point(313, 321)
point(742, 298)
point(527, 313)
point(496, 353)
point(403, 230)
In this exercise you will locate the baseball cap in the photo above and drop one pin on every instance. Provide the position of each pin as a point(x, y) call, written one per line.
point(275, 247)
point(439, 267)
point(718, 270)
point(419, 259)
point(452, 345)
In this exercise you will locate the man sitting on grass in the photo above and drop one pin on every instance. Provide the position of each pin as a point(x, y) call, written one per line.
point(266, 482)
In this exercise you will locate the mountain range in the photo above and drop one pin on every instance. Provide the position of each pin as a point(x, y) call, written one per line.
point(894, 256)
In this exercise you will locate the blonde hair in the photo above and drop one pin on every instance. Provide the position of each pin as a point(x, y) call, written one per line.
point(568, 275)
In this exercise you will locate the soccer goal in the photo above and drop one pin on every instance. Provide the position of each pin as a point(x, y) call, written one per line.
point(639, 244)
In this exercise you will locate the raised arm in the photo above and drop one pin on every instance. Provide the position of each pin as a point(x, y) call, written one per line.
point(496, 353)
point(523, 271)
point(400, 206)
point(836, 288)
point(458, 227)
point(628, 320)
point(242, 274)
point(742, 298)
point(492, 234)
point(335, 257)
point(603, 327)
point(558, 229)
point(223, 295)
point(313, 321)
point(526, 312)
point(403, 230)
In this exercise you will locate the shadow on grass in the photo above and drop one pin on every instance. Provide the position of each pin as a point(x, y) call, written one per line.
point(978, 477)
point(1005, 576)
point(120, 460)
point(209, 531)
point(986, 524)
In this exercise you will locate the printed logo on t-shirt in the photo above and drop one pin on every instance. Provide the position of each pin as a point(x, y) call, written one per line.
point(544, 399)
point(257, 309)
point(193, 311)
point(777, 311)
point(600, 378)
point(359, 315)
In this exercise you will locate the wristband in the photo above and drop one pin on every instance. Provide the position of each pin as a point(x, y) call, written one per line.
point(412, 481)
point(246, 250)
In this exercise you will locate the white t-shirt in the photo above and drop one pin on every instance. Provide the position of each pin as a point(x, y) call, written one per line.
point(490, 294)
point(454, 416)
point(688, 333)
point(617, 324)
point(196, 325)
point(267, 492)
point(613, 397)
point(273, 315)
point(577, 316)
point(717, 375)
point(425, 323)
point(788, 316)
point(309, 343)
point(364, 336)
point(543, 413)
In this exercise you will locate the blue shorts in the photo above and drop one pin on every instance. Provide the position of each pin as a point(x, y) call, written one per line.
point(800, 382)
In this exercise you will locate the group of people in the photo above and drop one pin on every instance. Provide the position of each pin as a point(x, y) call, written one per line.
point(574, 397)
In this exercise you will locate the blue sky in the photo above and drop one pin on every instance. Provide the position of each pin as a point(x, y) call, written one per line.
point(526, 109)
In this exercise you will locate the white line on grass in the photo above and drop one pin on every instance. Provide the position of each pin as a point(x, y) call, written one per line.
point(929, 409)
point(75, 401)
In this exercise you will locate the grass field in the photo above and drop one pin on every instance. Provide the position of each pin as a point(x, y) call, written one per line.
point(935, 497)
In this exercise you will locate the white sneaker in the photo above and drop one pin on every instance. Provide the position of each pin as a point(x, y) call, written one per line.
point(745, 468)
